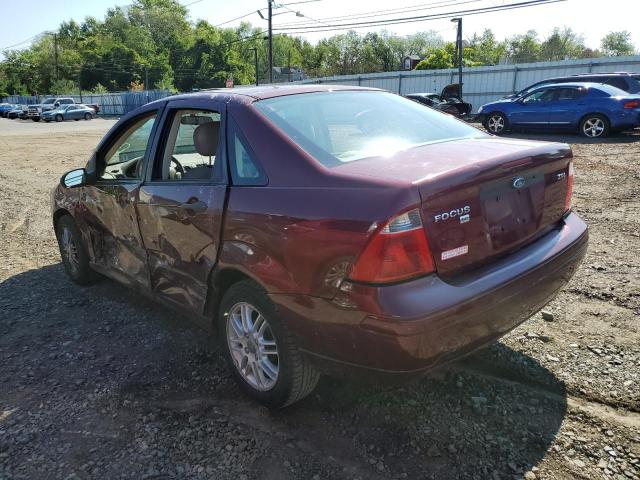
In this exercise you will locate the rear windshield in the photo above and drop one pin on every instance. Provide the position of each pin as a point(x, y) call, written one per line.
point(340, 127)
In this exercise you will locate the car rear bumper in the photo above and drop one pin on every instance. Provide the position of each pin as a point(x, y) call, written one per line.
point(412, 327)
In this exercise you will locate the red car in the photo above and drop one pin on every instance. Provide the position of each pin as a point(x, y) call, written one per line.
point(324, 229)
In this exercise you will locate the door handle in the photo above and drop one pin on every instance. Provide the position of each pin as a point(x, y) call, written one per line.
point(194, 206)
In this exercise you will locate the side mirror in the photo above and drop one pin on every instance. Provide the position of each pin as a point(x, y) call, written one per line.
point(74, 178)
point(57, 104)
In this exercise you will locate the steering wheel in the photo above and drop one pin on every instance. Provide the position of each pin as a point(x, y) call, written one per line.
point(179, 168)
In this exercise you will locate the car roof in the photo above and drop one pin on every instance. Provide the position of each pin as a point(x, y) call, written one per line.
point(573, 84)
point(248, 94)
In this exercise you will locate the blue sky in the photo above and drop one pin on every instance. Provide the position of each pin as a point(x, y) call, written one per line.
point(26, 18)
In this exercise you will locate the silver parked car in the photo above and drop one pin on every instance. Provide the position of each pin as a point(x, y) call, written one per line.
point(69, 112)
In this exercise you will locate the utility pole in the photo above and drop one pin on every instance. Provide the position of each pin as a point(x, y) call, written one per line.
point(459, 53)
point(146, 78)
point(55, 52)
point(289, 66)
point(80, 84)
point(255, 57)
point(270, 42)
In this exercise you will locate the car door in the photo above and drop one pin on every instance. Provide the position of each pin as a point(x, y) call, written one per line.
point(533, 109)
point(565, 106)
point(71, 113)
point(110, 216)
point(182, 202)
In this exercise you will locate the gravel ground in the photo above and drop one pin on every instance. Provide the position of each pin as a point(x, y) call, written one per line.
point(99, 383)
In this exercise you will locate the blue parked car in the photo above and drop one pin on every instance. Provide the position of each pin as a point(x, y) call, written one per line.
point(593, 109)
point(6, 108)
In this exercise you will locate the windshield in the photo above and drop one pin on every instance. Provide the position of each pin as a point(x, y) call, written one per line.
point(49, 101)
point(344, 126)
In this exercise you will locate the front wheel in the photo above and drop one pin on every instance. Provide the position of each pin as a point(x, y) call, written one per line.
point(496, 123)
point(87, 116)
point(35, 119)
point(74, 256)
point(259, 349)
point(58, 118)
point(594, 126)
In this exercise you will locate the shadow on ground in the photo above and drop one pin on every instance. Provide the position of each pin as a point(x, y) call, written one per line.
point(100, 383)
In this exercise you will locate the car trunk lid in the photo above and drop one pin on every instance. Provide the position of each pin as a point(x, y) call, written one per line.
point(482, 198)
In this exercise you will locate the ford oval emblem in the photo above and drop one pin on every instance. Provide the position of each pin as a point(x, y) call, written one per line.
point(518, 182)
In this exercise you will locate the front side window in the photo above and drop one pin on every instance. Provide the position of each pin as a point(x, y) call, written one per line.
point(124, 157)
point(345, 126)
point(191, 147)
point(539, 96)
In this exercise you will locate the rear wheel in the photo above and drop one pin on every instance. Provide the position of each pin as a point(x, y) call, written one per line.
point(594, 126)
point(496, 123)
point(74, 255)
point(259, 350)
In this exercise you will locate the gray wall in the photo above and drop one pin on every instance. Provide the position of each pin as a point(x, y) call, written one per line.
point(484, 84)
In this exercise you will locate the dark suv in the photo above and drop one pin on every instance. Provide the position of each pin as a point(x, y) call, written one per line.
point(629, 82)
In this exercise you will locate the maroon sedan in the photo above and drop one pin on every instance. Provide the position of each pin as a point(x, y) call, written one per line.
point(324, 228)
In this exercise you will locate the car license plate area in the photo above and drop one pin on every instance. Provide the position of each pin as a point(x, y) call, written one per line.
point(512, 214)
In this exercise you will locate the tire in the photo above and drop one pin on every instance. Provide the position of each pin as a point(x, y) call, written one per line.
point(594, 125)
point(35, 119)
point(78, 270)
point(294, 379)
point(47, 121)
point(58, 118)
point(87, 116)
point(496, 123)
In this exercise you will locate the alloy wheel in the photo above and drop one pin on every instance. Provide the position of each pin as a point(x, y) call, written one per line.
point(496, 123)
point(252, 346)
point(593, 127)
point(70, 250)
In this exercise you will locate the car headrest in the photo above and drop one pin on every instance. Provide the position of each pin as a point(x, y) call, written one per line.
point(205, 138)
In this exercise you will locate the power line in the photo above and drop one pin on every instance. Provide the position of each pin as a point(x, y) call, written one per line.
point(436, 16)
point(386, 12)
point(23, 42)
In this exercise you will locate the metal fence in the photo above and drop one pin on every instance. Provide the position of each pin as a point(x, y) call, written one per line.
point(483, 84)
point(116, 103)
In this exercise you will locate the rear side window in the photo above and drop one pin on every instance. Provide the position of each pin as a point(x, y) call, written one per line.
point(346, 126)
point(570, 93)
point(244, 168)
point(618, 82)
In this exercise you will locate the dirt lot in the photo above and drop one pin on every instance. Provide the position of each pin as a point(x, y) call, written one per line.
point(98, 383)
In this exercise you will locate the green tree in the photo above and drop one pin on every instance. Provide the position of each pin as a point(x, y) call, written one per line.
point(439, 59)
point(485, 49)
point(524, 48)
point(615, 44)
point(561, 44)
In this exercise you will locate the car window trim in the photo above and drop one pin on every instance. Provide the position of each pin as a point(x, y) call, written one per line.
point(234, 128)
point(115, 135)
point(160, 141)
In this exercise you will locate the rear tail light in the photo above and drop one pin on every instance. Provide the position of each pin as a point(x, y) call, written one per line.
point(567, 198)
point(396, 252)
point(632, 104)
